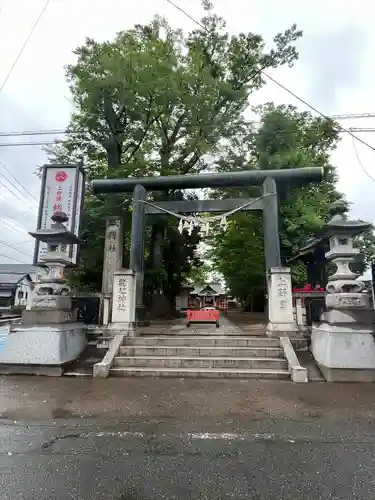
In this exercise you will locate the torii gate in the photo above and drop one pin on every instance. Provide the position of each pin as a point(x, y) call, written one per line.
point(268, 203)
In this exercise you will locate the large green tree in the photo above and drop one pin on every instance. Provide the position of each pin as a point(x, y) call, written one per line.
point(286, 138)
point(156, 101)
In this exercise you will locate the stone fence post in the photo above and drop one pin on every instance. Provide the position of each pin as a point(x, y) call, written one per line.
point(112, 261)
point(124, 301)
point(281, 320)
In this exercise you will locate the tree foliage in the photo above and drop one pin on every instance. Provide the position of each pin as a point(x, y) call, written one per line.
point(286, 138)
point(155, 101)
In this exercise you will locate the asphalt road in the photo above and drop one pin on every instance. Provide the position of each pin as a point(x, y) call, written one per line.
point(185, 439)
point(170, 460)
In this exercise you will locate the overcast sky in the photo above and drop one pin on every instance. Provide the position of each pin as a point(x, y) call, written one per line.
point(335, 73)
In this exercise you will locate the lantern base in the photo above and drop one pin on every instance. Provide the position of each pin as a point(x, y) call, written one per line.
point(51, 345)
point(346, 374)
point(344, 352)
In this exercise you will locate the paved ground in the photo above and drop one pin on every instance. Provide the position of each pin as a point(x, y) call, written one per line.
point(226, 327)
point(141, 439)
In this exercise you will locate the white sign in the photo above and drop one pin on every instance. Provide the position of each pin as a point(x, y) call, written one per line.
point(62, 191)
point(123, 304)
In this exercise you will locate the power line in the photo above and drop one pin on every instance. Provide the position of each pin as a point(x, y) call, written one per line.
point(24, 45)
point(14, 248)
point(360, 162)
point(18, 182)
point(24, 242)
point(187, 14)
point(352, 116)
point(2, 221)
point(339, 129)
point(14, 194)
point(342, 129)
point(39, 143)
point(33, 132)
point(23, 133)
point(12, 258)
point(9, 217)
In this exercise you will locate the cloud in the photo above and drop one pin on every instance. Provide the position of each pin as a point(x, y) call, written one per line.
point(19, 186)
point(335, 62)
point(335, 72)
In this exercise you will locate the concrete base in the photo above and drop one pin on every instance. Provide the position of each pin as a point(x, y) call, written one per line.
point(43, 371)
point(346, 374)
point(344, 353)
point(101, 369)
point(282, 330)
point(43, 344)
point(125, 329)
point(45, 317)
point(298, 373)
point(51, 302)
point(128, 329)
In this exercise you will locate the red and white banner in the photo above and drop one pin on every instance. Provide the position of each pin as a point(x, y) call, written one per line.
point(62, 191)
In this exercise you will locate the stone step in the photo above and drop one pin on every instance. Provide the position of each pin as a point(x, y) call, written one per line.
point(199, 373)
point(201, 362)
point(205, 333)
point(192, 341)
point(205, 351)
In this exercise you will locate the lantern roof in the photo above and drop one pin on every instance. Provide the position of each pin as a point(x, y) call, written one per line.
point(57, 233)
point(341, 225)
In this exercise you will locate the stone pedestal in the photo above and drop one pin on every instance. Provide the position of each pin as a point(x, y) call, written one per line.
point(123, 317)
point(344, 354)
point(46, 339)
point(280, 304)
point(49, 335)
point(37, 345)
point(343, 342)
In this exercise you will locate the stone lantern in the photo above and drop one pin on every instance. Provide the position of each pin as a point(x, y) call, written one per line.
point(53, 290)
point(342, 343)
point(49, 335)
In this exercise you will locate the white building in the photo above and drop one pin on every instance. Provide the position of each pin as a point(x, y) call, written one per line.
point(17, 282)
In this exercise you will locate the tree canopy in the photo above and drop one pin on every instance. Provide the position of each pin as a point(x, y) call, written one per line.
point(286, 138)
point(156, 101)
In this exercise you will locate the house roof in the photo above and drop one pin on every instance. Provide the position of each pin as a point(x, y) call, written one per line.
point(12, 279)
point(11, 274)
point(215, 287)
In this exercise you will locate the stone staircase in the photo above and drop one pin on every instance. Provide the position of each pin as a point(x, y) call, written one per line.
point(205, 355)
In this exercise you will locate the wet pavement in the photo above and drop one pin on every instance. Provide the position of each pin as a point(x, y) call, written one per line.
point(4, 331)
point(141, 439)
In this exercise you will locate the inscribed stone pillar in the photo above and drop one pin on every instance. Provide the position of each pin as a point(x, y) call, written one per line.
point(124, 300)
point(280, 304)
point(113, 251)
